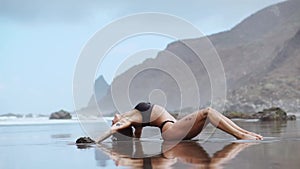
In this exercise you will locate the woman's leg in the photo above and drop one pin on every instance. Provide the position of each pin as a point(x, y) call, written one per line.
point(244, 134)
point(191, 125)
point(241, 129)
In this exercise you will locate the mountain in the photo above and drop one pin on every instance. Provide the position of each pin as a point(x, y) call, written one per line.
point(100, 90)
point(261, 60)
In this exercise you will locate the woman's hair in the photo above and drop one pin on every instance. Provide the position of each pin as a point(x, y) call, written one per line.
point(125, 134)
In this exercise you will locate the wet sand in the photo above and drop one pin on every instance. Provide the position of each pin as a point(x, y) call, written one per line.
point(52, 146)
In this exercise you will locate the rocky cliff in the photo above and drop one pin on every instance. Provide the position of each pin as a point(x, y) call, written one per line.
point(261, 58)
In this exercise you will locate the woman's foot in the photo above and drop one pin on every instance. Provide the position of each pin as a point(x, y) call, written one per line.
point(244, 136)
point(254, 135)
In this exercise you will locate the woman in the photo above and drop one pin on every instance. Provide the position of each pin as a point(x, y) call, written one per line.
point(147, 114)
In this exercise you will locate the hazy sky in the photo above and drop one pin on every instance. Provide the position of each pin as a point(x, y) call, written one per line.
point(40, 41)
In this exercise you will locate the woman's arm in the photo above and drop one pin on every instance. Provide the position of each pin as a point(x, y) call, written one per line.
point(138, 132)
point(104, 136)
point(123, 123)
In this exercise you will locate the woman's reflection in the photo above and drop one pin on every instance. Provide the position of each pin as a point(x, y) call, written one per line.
point(183, 155)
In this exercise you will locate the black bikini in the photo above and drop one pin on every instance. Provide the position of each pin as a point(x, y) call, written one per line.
point(146, 109)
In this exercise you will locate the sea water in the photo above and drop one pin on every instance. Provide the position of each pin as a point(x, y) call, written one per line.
point(51, 145)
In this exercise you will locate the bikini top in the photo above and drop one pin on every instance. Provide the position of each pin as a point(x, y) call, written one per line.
point(145, 109)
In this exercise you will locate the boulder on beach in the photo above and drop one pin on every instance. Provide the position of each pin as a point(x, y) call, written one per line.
point(291, 117)
point(84, 140)
point(62, 114)
point(272, 114)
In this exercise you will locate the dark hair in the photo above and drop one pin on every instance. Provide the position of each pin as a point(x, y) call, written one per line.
point(125, 134)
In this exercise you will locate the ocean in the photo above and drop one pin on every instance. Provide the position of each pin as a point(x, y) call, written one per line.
point(42, 144)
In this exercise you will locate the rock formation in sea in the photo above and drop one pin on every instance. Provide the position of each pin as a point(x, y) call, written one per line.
point(62, 114)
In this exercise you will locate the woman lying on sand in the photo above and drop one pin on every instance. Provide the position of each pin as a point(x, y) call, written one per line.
point(147, 114)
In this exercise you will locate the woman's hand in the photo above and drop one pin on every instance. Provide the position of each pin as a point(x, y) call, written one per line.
point(121, 124)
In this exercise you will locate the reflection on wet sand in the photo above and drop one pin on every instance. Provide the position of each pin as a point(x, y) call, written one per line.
point(188, 154)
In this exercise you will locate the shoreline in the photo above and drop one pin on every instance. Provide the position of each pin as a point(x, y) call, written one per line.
point(46, 121)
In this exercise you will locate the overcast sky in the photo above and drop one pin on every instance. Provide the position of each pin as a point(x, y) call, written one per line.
point(40, 41)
